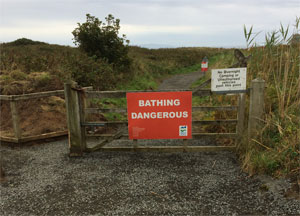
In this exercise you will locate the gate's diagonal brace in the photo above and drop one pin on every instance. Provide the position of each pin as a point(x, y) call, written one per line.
point(201, 85)
point(106, 141)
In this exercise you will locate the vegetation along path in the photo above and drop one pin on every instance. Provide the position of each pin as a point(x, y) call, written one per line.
point(44, 180)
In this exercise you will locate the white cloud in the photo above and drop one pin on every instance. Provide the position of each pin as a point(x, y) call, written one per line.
point(146, 29)
point(201, 29)
point(174, 21)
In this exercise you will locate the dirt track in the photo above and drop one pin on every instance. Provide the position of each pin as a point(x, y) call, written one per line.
point(182, 81)
point(43, 180)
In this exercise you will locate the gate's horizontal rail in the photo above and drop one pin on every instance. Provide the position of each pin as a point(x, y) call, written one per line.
point(195, 122)
point(195, 135)
point(217, 135)
point(169, 148)
point(220, 121)
point(195, 109)
point(122, 94)
point(215, 108)
point(101, 110)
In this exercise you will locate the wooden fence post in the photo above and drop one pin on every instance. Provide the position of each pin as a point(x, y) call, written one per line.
point(15, 119)
point(241, 117)
point(256, 109)
point(76, 140)
point(82, 105)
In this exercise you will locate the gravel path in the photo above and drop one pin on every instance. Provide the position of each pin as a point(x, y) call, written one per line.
point(43, 180)
point(181, 81)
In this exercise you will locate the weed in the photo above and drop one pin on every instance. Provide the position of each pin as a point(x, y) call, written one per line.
point(278, 142)
point(18, 75)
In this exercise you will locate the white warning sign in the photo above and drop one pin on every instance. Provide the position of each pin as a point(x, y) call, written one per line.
point(228, 80)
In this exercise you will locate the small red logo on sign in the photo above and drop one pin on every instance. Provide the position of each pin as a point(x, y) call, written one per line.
point(160, 115)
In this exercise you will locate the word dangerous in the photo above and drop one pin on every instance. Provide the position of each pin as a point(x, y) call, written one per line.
point(159, 115)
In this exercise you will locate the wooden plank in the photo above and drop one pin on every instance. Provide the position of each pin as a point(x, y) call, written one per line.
point(37, 95)
point(6, 97)
point(202, 92)
point(195, 109)
point(106, 135)
point(9, 139)
point(105, 94)
point(34, 138)
point(44, 136)
point(221, 121)
point(101, 110)
point(15, 119)
point(231, 92)
point(73, 118)
point(87, 103)
point(217, 135)
point(195, 135)
point(185, 143)
point(196, 122)
point(101, 124)
point(215, 108)
point(169, 148)
point(93, 124)
point(256, 107)
point(241, 117)
point(135, 143)
point(106, 141)
point(81, 104)
point(122, 94)
point(205, 83)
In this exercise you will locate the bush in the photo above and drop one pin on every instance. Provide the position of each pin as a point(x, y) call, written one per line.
point(101, 40)
point(88, 71)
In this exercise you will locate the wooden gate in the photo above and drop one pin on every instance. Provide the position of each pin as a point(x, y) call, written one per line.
point(78, 109)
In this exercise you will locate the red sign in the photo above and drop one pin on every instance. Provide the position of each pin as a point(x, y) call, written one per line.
point(204, 66)
point(159, 115)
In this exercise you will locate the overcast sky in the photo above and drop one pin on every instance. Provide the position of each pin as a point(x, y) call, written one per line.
point(217, 23)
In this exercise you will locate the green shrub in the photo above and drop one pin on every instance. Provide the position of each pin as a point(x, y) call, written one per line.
point(101, 40)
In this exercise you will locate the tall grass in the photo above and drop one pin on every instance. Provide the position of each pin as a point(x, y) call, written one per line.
point(278, 62)
point(23, 57)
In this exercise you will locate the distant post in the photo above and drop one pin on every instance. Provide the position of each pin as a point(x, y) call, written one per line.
point(256, 109)
point(204, 65)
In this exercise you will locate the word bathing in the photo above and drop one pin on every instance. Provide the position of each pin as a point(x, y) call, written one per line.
point(152, 103)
